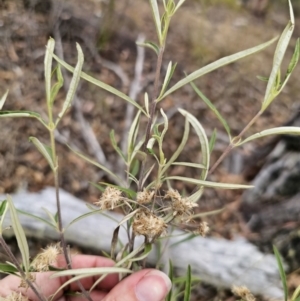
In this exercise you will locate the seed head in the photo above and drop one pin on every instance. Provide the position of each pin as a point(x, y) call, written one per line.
point(110, 198)
point(202, 229)
point(144, 197)
point(243, 292)
point(147, 224)
point(45, 258)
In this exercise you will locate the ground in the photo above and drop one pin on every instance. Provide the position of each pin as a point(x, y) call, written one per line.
point(199, 34)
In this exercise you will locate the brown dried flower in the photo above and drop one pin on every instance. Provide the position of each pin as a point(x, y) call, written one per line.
point(147, 224)
point(14, 296)
point(202, 229)
point(144, 197)
point(110, 198)
point(45, 258)
point(243, 292)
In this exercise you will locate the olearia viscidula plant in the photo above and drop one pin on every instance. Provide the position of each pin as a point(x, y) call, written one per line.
point(149, 206)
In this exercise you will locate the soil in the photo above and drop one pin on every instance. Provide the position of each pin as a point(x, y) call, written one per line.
point(199, 34)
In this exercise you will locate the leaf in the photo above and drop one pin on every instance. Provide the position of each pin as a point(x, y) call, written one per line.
point(46, 151)
point(278, 57)
point(189, 164)
point(171, 277)
point(203, 141)
point(215, 65)
point(8, 269)
point(149, 44)
point(281, 272)
point(3, 99)
point(180, 2)
point(262, 78)
point(156, 18)
point(102, 167)
point(213, 108)
point(144, 255)
point(212, 141)
point(73, 85)
point(13, 114)
point(20, 234)
point(208, 184)
point(114, 242)
point(180, 147)
point(101, 84)
point(188, 284)
point(132, 134)
point(289, 130)
point(37, 218)
point(48, 67)
point(3, 210)
point(115, 145)
point(169, 74)
point(56, 87)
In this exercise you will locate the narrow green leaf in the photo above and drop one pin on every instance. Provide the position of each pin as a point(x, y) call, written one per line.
point(37, 218)
point(102, 167)
point(217, 64)
point(144, 255)
point(169, 74)
point(149, 44)
point(283, 130)
point(180, 147)
point(3, 210)
point(115, 145)
point(46, 151)
point(281, 272)
point(189, 164)
point(203, 141)
point(212, 141)
point(114, 242)
point(48, 68)
point(156, 18)
point(180, 2)
point(13, 114)
point(188, 284)
point(209, 184)
point(8, 269)
point(3, 99)
point(295, 57)
point(20, 234)
point(262, 78)
point(56, 87)
point(100, 84)
point(171, 276)
point(278, 57)
point(132, 134)
point(213, 108)
point(73, 85)
point(51, 217)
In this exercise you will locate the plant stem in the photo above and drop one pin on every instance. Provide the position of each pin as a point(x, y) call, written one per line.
point(22, 273)
point(152, 113)
point(233, 142)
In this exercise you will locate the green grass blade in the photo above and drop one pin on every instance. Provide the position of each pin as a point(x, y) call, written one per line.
point(281, 272)
point(48, 67)
point(156, 18)
point(188, 284)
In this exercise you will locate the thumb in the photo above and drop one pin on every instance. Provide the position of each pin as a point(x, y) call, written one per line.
point(145, 285)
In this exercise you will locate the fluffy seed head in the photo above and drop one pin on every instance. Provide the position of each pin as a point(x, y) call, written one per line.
point(45, 258)
point(110, 198)
point(202, 229)
point(147, 224)
point(144, 197)
point(243, 292)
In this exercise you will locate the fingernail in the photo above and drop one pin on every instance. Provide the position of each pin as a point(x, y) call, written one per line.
point(154, 286)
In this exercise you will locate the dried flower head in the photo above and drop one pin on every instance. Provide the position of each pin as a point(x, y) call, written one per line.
point(47, 257)
point(180, 206)
point(147, 224)
point(144, 197)
point(14, 296)
point(110, 198)
point(202, 229)
point(243, 292)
